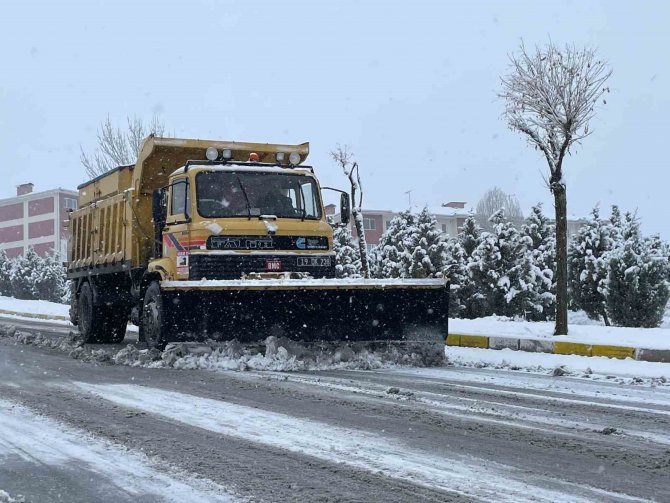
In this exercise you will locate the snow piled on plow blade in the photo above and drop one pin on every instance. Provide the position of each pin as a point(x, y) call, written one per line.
point(273, 354)
point(282, 354)
point(306, 283)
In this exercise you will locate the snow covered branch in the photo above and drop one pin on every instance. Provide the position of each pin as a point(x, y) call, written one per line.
point(550, 96)
point(345, 158)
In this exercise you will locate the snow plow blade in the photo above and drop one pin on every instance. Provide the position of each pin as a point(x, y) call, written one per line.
point(308, 310)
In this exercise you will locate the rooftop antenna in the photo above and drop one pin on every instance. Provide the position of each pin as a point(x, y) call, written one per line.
point(409, 196)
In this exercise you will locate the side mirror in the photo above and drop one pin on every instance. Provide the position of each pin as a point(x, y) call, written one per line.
point(345, 208)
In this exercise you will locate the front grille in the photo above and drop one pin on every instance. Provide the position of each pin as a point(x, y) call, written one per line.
point(206, 266)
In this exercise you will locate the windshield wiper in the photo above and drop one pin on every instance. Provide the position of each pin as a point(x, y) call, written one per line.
point(302, 196)
point(246, 197)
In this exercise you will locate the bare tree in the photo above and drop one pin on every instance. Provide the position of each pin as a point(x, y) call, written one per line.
point(550, 96)
point(118, 147)
point(342, 156)
point(493, 200)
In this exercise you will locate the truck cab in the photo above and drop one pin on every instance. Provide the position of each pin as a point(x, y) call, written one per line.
point(224, 219)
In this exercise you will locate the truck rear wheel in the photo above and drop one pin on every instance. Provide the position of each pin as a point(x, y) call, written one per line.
point(89, 316)
point(99, 324)
point(116, 326)
point(152, 317)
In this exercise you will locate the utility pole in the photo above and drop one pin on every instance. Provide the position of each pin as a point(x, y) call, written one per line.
point(409, 197)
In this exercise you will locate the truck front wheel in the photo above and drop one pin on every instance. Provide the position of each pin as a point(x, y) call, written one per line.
point(152, 317)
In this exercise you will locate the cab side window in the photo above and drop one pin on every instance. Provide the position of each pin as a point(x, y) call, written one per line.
point(180, 200)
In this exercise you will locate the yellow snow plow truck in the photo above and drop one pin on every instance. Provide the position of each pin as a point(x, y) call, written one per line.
point(218, 240)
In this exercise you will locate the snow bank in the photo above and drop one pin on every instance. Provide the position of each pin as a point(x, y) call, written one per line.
point(648, 338)
point(41, 307)
point(276, 354)
point(593, 367)
point(281, 354)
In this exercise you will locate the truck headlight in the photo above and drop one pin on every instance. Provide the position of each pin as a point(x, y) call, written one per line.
point(294, 158)
point(211, 154)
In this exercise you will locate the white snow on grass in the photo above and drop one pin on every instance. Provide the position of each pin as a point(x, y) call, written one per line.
point(39, 440)
point(356, 448)
point(648, 338)
point(592, 366)
point(41, 307)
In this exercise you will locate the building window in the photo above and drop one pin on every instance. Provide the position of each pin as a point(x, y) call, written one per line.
point(444, 228)
point(70, 204)
point(369, 224)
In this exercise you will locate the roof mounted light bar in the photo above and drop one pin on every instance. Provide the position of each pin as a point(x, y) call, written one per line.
point(200, 162)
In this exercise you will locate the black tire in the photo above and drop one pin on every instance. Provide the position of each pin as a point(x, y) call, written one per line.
point(152, 317)
point(89, 316)
point(116, 327)
point(99, 324)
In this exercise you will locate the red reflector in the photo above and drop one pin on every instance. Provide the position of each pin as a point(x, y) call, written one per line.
point(273, 264)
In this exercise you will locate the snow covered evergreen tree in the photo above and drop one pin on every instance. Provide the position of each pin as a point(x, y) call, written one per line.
point(393, 257)
point(21, 274)
point(455, 268)
point(347, 258)
point(48, 279)
point(428, 247)
point(492, 268)
point(470, 235)
point(5, 268)
point(462, 299)
point(536, 271)
point(637, 287)
point(589, 266)
point(616, 225)
point(411, 247)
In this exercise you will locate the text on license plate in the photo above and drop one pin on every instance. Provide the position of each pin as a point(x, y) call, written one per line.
point(314, 261)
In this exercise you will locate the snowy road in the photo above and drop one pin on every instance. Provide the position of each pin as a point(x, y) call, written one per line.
point(76, 431)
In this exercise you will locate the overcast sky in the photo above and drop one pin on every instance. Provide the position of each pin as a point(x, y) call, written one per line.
point(410, 86)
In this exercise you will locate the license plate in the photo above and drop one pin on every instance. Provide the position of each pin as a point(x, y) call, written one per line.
point(313, 261)
point(273, 264)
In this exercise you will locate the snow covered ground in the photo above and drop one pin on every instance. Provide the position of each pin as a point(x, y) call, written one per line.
point(28, 440)
point(581, 329)
point(40, 307)
point(356, 448)
point(627, 371)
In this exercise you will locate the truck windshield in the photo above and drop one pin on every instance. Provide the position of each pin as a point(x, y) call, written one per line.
point(243, 193)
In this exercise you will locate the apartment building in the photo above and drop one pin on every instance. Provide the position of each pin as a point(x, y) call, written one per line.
point(36, 219)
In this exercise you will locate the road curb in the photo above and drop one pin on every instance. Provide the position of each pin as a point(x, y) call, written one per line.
point(35, 316)
point(557, 347)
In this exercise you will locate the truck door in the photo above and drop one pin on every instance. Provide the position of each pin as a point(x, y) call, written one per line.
point(176, 235)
